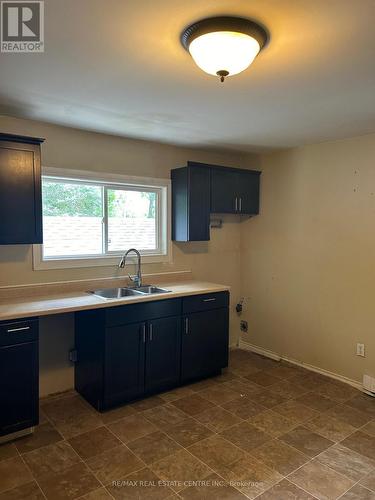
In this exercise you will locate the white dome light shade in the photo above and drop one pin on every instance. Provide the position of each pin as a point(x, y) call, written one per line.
point(225, 45)
point(226, 51)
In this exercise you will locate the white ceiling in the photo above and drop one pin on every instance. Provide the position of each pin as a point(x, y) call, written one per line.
point(117, 66)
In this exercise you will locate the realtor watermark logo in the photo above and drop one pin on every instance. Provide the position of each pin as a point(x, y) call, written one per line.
point(22, 26)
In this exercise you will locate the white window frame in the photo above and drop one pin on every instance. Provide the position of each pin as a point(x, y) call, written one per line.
point(108, 180)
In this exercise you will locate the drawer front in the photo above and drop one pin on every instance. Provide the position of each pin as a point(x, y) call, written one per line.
point(123, 315)
point(204, 302)
point(18, 331)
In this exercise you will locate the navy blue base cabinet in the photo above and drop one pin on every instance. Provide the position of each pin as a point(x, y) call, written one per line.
point(19, 376)
point(127, 352)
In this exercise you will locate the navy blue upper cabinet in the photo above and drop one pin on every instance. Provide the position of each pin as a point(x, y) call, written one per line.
point(191, 203)
point(199, 190)
point(234, 191)
point(20, 190)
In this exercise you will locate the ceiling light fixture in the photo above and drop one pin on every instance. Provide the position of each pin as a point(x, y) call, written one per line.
point(224, 46)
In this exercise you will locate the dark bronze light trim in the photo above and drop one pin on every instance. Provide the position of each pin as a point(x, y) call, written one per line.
point(224, 23)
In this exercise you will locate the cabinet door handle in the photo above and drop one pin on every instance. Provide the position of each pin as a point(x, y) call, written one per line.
point(150, 329)
point(144, 332)
point(209, 300)
point(236, 204)
point(14, 330)
point(240, 209)
point(186, 325)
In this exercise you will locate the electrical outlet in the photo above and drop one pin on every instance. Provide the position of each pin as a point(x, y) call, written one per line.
point(244, 326)
point(361, 350)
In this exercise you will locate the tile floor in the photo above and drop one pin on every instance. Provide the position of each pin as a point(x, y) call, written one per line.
point(262, 430)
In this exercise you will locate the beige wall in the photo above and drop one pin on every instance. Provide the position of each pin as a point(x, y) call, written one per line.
point(308, 261)
point(217, 260)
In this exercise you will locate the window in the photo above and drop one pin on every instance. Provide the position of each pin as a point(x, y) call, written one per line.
point(93, 219)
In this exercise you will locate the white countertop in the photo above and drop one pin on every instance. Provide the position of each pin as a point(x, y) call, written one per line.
point(79, 301)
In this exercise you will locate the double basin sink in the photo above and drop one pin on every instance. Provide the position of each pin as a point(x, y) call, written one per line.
point(119, 293)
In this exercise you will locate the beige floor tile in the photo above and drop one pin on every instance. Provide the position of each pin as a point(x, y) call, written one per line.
point(53, 458)
point(306, 441)
point(13, 473)
point(243, 407)
point(164, 416)
point(349, 415)
point(217, 419)
point(347, 462)
point(178, 393)
point(245, 436)
point(202, 385)
point(249, 475)
point(115, 464)
point(358, 493)
point(287, 389)
point(146, 404)
point(226, 376)
point(330, 427)
point(153, 447)
point(368, 428)
point(218, 394)
point(132, 427)
point(243, 370)
point(180, 468)
point(94, 442)
point(307, 380)
point(285, 490)
point(116, 414)
point(42, 436)
point(213, 488)
point(188, 432)
point(143, 484)
point(262, 378)
point(192, 405)
point(363, 403)
point(283, 372)
point(316, 401)
point(362, 443)
point(337, 392)
point(71, 415)
point(8, 450)
point(320, 481)
point(369, 481)
point(100, 494)
point(297, 412)
point(216, 452)
point(280, 457)
point(272, 423)
point(242, 387)
point(28, 491)
point(71, 483)
point(268, 399)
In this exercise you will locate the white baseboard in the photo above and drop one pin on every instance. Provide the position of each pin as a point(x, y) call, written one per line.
point(273, 355)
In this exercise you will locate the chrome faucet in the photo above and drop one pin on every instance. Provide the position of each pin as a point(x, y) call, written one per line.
point(137, 279)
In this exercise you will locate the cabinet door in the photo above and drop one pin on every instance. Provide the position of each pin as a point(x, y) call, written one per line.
point(199, 204)
point(18, 387)
point(204, 343)
point(163, 349)
point(224, 198)
point(124, 363)
point(248, 193)
point(20, 193)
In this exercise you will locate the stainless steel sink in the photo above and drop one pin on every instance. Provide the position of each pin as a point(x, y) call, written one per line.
point(119, 293)
point(148, 289)
point(116, 293)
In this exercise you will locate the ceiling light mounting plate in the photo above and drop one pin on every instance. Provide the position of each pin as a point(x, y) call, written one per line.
point(224, 23)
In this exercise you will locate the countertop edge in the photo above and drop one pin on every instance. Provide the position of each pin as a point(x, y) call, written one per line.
point(19, 309)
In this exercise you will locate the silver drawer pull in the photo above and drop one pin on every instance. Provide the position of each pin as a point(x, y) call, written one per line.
point(14, 330)
point(209, 300)
point(186, 326)
point(151, 332)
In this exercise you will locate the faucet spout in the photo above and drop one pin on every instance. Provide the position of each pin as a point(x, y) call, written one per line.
point(137, 279)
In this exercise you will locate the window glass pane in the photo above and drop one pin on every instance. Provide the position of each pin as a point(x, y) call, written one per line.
point(72, 219)
point(131, 220)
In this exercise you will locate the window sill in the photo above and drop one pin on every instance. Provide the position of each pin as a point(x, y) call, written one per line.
point(40, 264)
